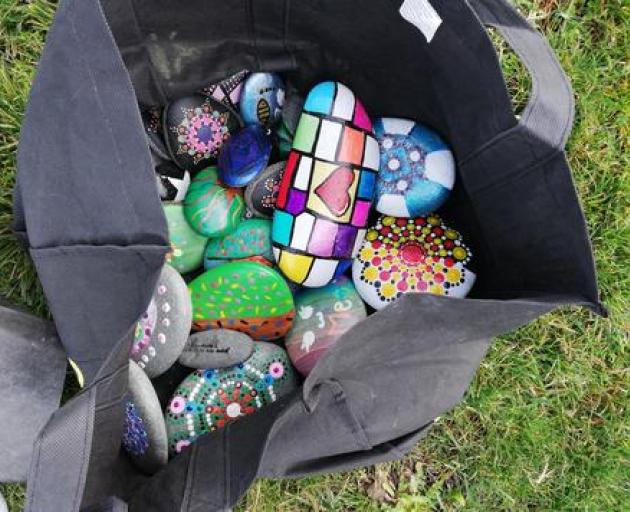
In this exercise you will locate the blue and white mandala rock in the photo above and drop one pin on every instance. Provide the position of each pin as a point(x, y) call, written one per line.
point(417, 168)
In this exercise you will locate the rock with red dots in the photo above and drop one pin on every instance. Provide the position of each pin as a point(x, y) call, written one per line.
point(411, 255)
point(210, 399)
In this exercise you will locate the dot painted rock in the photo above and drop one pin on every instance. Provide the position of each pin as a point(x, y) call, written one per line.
point(322, 316)
point(262, 99)
point(244, 156)
point(172, 182)
point(152, 120)
point(252, 237)
point(187, 246)
point(417, 170)
point(210, 399)
point(416, 255)
point(163, 330)
point(210, 207)
point(327, 188)
point(216, 348)
point(144, 434)
point(261, 193)
point(196, 127)
point(227, 91)
point(243, 296)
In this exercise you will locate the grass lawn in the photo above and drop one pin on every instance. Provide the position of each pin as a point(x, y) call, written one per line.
point(545, 424)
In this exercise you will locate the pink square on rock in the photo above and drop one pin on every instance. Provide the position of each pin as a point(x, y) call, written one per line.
point(323, 238)
point(360, 215)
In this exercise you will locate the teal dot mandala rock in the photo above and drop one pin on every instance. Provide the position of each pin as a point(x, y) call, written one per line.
point(252, 237)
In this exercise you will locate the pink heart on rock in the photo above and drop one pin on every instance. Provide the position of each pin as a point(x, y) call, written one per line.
point(333, 191)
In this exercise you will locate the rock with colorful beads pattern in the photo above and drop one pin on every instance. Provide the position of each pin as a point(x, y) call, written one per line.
point(252, 237)
point(243, 296)
point(187, 246)
point(411, 255)
point(327, 188)
point(210, 399)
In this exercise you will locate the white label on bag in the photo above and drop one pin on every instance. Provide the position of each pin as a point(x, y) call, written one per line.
point(422, 15)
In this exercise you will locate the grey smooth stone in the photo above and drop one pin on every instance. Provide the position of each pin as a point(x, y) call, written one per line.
point(143, 396)
point(217, 348)
point(163, 330)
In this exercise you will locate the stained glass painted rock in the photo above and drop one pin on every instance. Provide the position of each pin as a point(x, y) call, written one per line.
point(216, 348)
point(162, 331)
point(411, 255)
point(144, 434)
point(187, 246)
point(262, 99)
point(417, 170)
point(243, 296)
point(244, 156)
point(262, 191)
point(323, 315)
point(196, 127)
point(210, 207)
point(172, 182)
point(227, 91)
point(252, 237)
point(326, 191)
point(210, 399)
point(152, 120)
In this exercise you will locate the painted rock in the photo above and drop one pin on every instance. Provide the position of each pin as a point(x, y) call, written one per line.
point(217, 348)
point(212, 208)
point(227, 91)
point(417, 170)
point(262, 99)
point(209, 264)
point(262, 191)
point(210, 399)
point(244, 156)
point(144, 434)
point(163, 330)
point(327, 188)
point(187, 246)
point(243, 296)
point(152, 120)
point(419, 255)
point(172, 182)
point(252, 237)
point(196, 128)
point(322, 316)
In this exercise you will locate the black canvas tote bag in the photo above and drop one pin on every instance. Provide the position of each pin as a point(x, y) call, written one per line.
point(98, 237)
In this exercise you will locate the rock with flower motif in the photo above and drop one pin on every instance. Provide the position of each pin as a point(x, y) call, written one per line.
point(210, 399)
point(195, 129)
point(411, 255)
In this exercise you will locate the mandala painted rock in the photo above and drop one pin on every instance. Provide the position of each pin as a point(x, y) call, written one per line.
point(210, 399)
point(172, 182)
point(144, 434)
point(210, 207)
point(252, 237)
point(244, 156)
point(262, 192)
point(196, 128)
point(227, 91)
point(163, 330)
point(187, 246)
point(327, 188)
point(243, 296)
point(216, 348)
point(322, 316)
point(419, 255)
point(417, 168)
point(152, 120)
point(262, 99)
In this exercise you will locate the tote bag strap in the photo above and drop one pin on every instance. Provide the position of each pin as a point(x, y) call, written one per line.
point(550, 112)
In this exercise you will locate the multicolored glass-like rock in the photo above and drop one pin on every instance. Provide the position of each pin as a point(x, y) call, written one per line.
point(262, 99)
point(323, 315)
point(208, 400)
point(327, 187)
point(187, 246)
point(227, 91)
point(196, 128)
point(252, 237)
point(152, 120)
point(243, 296)
point(172, 182)
point(262, 192)
point(210, 207)
point(244, 156)
point(416, 255)
point(417, 168)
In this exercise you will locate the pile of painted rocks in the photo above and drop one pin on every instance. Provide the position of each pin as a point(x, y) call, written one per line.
point(286, 216)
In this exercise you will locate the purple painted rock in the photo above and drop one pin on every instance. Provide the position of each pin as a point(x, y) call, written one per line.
point(244, 156)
